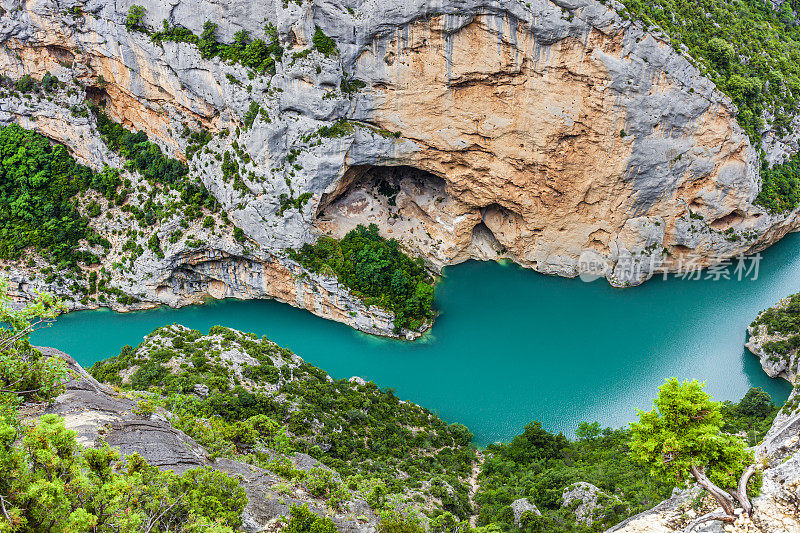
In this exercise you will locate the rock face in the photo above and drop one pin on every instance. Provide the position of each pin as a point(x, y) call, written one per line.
point(552, 133)
point(586, 501)
point(522, 506)
point(776, 365)
point(94, 411)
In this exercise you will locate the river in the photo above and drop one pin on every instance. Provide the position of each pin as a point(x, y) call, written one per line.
point(511, 345)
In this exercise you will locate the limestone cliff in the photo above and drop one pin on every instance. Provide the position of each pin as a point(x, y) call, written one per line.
point(553, 133)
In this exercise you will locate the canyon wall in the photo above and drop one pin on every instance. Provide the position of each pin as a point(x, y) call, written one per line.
point(557, 134)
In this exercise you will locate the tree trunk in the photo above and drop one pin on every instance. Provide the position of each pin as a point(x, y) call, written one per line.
point(724, 499)
point(741, 490)
point(706, 518)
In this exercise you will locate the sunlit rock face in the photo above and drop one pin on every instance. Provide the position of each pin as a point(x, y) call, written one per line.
point(543, 132)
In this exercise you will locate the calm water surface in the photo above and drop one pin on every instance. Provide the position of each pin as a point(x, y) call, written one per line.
point(510, 345)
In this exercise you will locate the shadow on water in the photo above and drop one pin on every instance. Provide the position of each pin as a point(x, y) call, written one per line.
point(510, 345)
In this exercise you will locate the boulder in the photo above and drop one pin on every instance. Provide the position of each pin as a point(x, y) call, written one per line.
point(522, 506)
point(587, 501)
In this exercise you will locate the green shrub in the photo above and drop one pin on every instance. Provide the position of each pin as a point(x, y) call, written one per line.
point(323, 44)
point(49, 483)
point(377, 270)
point(135, 19)
point(303, 520)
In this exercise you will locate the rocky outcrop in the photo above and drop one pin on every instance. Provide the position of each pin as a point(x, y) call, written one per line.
point(587, 502)
point(776, 365)
point(97, 414)
point(522, 506)
point(556, 134)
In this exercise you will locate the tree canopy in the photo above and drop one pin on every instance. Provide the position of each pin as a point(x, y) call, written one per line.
point(376, 269)
point(681, 438)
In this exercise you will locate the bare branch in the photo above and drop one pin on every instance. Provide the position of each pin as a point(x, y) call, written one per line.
point(3, 506)
point(156, 519)
point(741, 490)
point(722, 517)
point(724, 499)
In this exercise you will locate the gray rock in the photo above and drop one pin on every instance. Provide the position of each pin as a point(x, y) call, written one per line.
point(521, 506)
point(588, 501)
point(201, 390)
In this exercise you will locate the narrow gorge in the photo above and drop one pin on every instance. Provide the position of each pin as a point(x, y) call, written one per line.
point(319, 266)
point(544, 133)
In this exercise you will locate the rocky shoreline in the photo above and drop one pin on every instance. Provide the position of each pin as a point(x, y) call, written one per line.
point(777, 508)
point(592, 172)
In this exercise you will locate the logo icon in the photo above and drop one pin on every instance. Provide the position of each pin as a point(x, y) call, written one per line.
point(591, 266)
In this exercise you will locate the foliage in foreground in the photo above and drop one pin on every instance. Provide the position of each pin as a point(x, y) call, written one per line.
point(26, 374)
point(376, 269)
point(49, 483)
point(753, 415)
point(539, 465)
point(681, 439)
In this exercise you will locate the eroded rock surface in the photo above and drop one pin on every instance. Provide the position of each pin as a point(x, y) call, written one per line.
point(537, 131)
point(587, 501)
point(94, 411)
point(522, 506)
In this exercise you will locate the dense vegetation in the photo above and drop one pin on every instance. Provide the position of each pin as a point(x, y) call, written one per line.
point(780, 186)
point(376, 269)
point(38, 183)
point(782, 321)
point(747, 47)
point(143, 156)
point(379, 445)
point(751, 50)
point(752, 415)
point(539, 465)
point(49, 483)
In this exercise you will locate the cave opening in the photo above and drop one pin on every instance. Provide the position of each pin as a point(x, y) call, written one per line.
point(417, 208)
point(406, 203)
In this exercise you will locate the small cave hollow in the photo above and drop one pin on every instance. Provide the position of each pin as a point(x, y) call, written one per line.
point(96, 95)
point(733, 218)
point(406, 203)
point(485, 244)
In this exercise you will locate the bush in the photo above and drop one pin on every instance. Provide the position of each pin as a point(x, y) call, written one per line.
point(303, 520)
point(49, 483)
point(25, 373)
point(135, 19)
point(377, 270)
point(323, 44)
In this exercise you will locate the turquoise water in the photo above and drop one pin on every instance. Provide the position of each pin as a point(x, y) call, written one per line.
point(511, 345)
